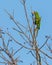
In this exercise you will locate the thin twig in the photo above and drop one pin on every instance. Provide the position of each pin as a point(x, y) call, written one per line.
point(12, 18)
point(18, 26)
point(44, 43)
point(46, 54)
point(19, 42)
point(45, 61)
point(20, 33)
point(18, 50)
point(27, 16)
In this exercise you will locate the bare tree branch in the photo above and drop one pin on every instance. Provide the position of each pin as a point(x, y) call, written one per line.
point(19, 43)
point(18, 50)
point(50, 57)
point(27, 16)
point(44, 43)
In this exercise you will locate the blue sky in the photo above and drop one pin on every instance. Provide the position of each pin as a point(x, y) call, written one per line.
point(44, 7)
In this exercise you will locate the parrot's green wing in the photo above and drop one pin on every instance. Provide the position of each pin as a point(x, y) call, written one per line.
point(38, 26)
point(37, 20)
point(36, 14)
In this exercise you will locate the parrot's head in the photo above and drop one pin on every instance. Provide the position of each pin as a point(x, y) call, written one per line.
point(33, 12)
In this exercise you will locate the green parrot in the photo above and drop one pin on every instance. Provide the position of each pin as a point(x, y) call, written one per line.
point(36, 19)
